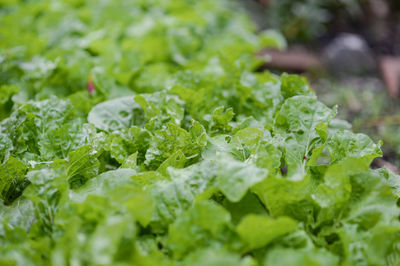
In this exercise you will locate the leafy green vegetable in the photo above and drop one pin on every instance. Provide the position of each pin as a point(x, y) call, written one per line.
point(259, 231)
point(235, 177)
point(138, 133)
point(299, 122)
point(116, 114)
point(82, 165)
point(197, 227)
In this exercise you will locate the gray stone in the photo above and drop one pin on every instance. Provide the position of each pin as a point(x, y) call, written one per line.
point(349, 54)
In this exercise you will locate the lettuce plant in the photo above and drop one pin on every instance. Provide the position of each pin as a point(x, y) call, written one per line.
point(138, 133)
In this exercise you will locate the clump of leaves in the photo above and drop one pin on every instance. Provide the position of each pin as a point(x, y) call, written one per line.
point(136, 132)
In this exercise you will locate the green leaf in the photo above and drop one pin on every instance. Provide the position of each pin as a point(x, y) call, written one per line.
point(42, 130)
point(345, 144)
point(336, 189)
point(293, 85)
point(122, 144)
point(371, 200)
point(160, 108)
point(235, 177)
point(220, 120)
point(299, 122)
point(6, 103)
point(103, 183)
point(47, 189)
point(247, 141)
point(258, 231)
point(174, 196)
point(116, 114)
point(176, 160)
point(171, 140)
point(105, 242)
point(268, 156)
point(250, 203)
point(12, 180)
point(286, 197)
point(82, 165)
point(212, 257)
point(138, 202)
point(131, 161)
point(196, 227)
point(20, 214)
point(288, 257)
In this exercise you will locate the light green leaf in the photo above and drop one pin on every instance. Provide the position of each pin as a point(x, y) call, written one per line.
point(175, 196)
point(299, 122)
point(345, 144)
point(292, 257)
point(196, 227)
point(294, 85)
point(167, 142)
point(236, 177)
point(101, 184)
point(116, 114)
point(12, 180)
point(212, 257)
point(82, 165)
point(220, 120)
point(286, 197)
point(109, 235)
point(258, 231)
point(131, 161)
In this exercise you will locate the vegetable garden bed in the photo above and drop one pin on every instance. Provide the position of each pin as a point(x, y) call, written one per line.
point(138, 133)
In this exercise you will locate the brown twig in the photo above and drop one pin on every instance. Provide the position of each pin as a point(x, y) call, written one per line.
point(291, 60)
